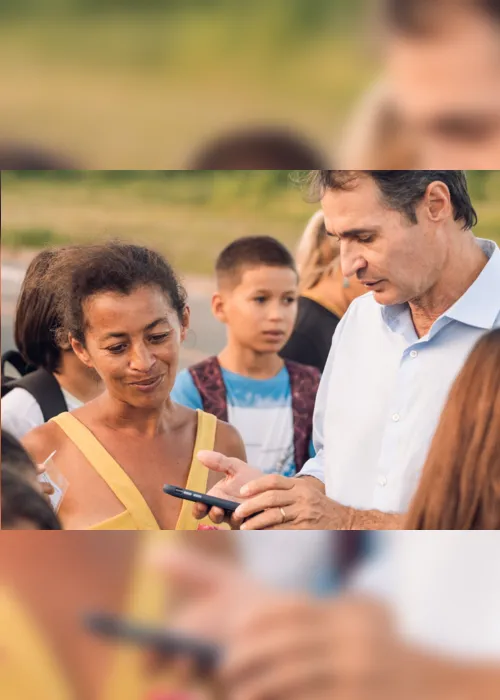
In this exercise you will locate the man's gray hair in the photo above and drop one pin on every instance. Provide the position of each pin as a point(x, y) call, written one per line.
point(401, 190)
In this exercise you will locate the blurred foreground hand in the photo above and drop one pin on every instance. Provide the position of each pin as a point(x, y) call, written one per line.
point(281, 647)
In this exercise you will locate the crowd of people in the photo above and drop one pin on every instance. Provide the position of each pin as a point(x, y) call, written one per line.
point(358, 388)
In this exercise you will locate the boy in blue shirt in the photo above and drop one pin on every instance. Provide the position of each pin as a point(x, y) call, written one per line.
point(270, 401)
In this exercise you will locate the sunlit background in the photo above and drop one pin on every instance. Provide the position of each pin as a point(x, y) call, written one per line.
point(126, 84)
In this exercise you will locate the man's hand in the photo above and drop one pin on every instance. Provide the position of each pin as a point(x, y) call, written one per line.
point(287, 646)
point(280, 503)
point(236, 474)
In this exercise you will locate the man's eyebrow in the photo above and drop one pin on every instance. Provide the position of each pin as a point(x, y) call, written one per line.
point(353, 232)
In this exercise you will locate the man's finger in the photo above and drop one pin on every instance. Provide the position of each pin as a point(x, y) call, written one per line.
point(187, 570)
point(269, 482)
point(268, 499)
point(270, 519)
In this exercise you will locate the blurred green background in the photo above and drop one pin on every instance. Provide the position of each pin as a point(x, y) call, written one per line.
point(144, 83)
point(190, 216)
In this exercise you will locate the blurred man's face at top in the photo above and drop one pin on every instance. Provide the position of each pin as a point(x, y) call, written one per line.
point(446, 83)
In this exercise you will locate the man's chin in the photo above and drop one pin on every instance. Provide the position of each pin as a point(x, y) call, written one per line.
point(388, 297)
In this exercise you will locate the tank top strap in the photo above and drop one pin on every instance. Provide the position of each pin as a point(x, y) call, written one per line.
point(109, 470)
point(198, 473)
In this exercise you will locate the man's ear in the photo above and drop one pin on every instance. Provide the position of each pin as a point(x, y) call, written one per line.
point(186, 317)
point(218, 307)
point(437, 202)
point(81, 352)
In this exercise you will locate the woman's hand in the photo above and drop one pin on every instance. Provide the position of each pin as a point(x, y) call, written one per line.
point(236, 474)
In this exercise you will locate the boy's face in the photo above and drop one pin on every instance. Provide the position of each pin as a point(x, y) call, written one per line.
point(260, 311)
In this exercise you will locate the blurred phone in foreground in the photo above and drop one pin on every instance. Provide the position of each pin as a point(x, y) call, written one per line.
point(205, 656)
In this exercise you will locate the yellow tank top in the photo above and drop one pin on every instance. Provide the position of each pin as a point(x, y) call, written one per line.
point(29, 669)
point(137, 514)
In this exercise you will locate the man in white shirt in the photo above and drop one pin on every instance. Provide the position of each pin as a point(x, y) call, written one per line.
point(434, 291)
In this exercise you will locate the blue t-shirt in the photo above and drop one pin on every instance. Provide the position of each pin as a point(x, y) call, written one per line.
point(261, 411)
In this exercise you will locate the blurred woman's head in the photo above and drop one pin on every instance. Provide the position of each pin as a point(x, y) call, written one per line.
point(318, 259)
point(127, 314)
point(460, 484)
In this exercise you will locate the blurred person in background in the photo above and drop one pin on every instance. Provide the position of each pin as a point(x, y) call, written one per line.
point(20, 156)
point(438, 101)
point(435, 290)
point(325, 295)
point(258, 149)
point(460, 484)
point(127, 314)
point(16, 458)
point(421, 620)
point(56, 380)
point(269, 401)
point(23, 505)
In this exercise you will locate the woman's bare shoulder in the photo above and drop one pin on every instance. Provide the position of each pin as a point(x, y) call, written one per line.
point(42, 441)
point(228, 441)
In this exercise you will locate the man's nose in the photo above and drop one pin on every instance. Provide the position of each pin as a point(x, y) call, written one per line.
point(351, 261)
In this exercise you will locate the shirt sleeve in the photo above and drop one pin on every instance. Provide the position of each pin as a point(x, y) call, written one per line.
point(20, 413)
point(185, 391)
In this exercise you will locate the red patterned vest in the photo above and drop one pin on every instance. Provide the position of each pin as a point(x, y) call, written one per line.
point(304, 382)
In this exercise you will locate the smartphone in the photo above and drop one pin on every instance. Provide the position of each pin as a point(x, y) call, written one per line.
point(227, 506)
point(204, 654)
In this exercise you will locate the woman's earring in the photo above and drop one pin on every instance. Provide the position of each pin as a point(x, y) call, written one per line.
point(346, 283)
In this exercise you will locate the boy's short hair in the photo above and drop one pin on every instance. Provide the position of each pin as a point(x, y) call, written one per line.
point(248, 253)
point(260, 148)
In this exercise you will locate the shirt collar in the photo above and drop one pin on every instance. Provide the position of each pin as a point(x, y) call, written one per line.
point(479, 306)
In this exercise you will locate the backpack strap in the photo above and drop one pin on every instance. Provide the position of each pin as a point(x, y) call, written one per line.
point(44, 387)
point(208, 379)
point(14, 358)
point(304, 383)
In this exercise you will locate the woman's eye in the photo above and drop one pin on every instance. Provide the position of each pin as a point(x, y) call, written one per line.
point(117, 349)
point(290, 300)
point(260, 300)
point(159, 338)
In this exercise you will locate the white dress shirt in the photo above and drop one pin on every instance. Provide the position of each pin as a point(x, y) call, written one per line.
point(21, 412)
point(443, 588)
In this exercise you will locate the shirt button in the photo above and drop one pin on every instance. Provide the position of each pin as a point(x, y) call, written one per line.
point(413, 353)
point(395, 417)
point(382, 480)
